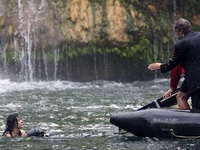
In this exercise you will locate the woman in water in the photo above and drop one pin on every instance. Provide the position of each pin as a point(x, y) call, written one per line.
point(14, 126)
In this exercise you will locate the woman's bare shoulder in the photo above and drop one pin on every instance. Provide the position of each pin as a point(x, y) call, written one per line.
point(7, 134)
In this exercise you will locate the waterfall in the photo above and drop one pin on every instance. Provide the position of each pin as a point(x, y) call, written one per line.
point(44, 57)
point(174, 7)
point(56, 52)
point(174, 16)
point(105, 62)
point(30, 14)
point(95, 65)
point(5, 68)
point(67, 68)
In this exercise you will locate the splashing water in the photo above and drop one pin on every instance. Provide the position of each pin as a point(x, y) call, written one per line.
point(77, 114)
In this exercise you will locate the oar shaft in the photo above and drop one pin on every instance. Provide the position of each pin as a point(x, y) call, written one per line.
point(162, 102)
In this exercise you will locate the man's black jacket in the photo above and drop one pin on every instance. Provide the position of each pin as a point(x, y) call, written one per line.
point(187, 51)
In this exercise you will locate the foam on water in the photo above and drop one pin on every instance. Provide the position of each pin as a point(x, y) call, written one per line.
point(73, 111)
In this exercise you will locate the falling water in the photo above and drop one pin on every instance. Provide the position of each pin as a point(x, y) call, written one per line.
point(174, 15)
point(105, 61)
point(44, 57)
point(67, 68)
point(95, 65)
point(174, 4)
point(41, 30)
point(30, 14)
point(23, 47)
point(56, 52)
point(5, 68)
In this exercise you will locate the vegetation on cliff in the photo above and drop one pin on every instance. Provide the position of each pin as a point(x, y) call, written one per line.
point(84, 40)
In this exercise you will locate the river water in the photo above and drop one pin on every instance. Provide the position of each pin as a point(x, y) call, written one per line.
point(76, 115)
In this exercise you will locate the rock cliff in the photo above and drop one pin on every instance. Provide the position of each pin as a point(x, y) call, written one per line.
point(83, 40)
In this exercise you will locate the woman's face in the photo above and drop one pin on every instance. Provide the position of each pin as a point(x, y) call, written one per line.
point(20, 122)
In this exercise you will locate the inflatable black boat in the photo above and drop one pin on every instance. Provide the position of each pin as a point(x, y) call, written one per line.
point(151, 121)
point(159, 123)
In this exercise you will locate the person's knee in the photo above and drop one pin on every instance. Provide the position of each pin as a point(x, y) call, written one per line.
point(182, 96)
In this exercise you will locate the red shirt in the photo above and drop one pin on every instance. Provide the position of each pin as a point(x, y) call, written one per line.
point(175, 75)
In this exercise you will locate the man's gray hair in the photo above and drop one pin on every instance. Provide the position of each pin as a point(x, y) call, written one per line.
point(183, 25)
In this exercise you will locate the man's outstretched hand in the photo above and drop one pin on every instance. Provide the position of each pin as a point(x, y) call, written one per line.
point(154, 66)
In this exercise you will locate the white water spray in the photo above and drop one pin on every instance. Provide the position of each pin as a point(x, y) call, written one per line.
point(31, 14)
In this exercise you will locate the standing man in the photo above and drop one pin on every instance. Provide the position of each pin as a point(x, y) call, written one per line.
point(187, 52)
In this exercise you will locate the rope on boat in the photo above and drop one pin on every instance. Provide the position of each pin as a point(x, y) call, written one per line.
point(182, 136)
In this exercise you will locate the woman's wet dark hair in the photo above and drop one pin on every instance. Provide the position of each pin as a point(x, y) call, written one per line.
point(10, 123)
point(183, 25)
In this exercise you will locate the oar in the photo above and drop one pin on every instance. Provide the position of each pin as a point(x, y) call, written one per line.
point(158, 103)
point(162, 102)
